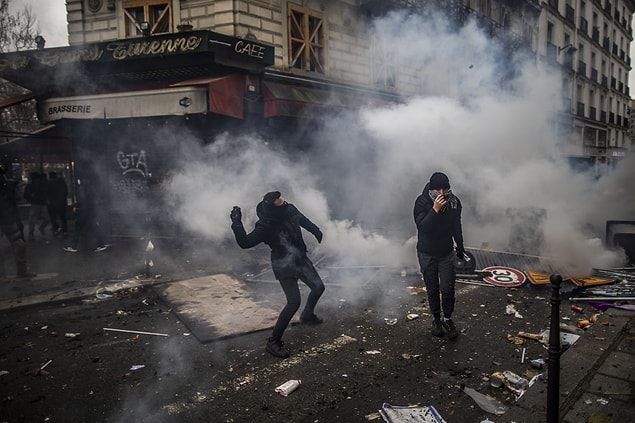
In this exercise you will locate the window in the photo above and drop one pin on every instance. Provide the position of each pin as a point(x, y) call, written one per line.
point(306, 39)
point(383, 62)
point(157, 14)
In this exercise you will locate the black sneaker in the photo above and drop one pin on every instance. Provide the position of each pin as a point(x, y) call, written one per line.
point(311, 320)
point(450, 329)
point(277, 349)
point(437, 328)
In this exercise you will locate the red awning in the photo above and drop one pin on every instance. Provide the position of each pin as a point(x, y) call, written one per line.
point(226, 93)
point(8, 102)
point(300, 101)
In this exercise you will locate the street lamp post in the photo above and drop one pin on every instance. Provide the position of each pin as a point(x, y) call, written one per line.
point(553, 369)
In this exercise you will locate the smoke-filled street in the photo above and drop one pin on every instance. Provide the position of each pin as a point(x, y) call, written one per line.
point(108, 348)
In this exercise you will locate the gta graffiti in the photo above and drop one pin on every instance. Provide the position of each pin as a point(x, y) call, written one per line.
point(134, 172)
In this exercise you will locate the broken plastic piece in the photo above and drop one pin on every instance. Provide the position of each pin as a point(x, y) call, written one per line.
point(487, 403)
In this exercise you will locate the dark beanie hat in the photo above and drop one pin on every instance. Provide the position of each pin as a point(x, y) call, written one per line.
point(439, 180)
point(270, 197)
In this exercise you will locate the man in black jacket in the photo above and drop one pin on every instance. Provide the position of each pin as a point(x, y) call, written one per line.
point(9, 219)
point(279, 226)
point(437, 213)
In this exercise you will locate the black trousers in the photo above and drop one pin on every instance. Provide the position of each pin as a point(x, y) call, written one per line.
point(439, 276)
point(13, 234)
point(307, 274)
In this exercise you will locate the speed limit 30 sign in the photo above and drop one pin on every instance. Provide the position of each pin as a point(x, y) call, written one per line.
point(504, 276)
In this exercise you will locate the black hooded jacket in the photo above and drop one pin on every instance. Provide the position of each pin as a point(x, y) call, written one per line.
point(280, 228)
point(437, 232)
point(9, 213)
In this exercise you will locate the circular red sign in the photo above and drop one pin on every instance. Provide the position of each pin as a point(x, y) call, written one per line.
point(504, 276)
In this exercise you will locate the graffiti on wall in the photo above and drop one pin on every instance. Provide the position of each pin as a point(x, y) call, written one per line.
point(134, 172)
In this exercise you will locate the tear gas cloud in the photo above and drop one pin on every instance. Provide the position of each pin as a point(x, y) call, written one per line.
point(359, 179)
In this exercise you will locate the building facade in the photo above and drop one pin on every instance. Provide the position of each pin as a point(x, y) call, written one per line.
point(136, 69)
point(590, 42)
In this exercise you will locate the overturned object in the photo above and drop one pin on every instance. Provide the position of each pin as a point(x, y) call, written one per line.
point(405, 414)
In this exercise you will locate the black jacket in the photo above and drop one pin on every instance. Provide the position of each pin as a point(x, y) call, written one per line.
point(436, 231)
point(35, 192)
point(280, 228)
point(8, 195)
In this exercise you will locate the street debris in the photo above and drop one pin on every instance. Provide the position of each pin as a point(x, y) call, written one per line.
point(390, 321)
point(516, 340)
point(289, 386)
point(603, 306)
point(412, 316)
point(415, 290)
point(40, 370)
point(71, 334)
point(510, 309)
point(410, 414)
point(538, 363)
point(485, 402)
point(3, 372)
point(135, 331)
point(577, 308)
point(566, 339)
point(137, 367)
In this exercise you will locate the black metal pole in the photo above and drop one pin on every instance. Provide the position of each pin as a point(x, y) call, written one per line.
point(553, 383)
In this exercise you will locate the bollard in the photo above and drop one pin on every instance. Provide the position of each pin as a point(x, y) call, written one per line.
point(553, 382)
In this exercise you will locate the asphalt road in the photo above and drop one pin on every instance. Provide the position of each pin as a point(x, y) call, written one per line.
point(61, 365)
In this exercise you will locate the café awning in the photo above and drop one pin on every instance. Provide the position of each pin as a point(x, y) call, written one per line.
point(225, 93)
point(283, 99)
point(130, 104)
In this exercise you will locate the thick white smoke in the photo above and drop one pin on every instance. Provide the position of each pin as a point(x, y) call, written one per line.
point(359, 179)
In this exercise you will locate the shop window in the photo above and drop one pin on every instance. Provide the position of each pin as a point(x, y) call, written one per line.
point(306, 39)
point(147, 17)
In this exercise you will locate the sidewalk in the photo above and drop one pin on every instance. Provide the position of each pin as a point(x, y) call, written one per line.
point(63, 275)
point(596, 373)
point(596, 377)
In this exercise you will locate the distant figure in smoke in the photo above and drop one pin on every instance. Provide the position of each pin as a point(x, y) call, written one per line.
point(35, 194)
point(9, 222)
point(437, 213)
point(279, 226)
point(58, 193)
point(86, 223)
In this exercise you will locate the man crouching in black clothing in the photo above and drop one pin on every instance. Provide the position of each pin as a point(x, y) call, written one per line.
point(279, 226)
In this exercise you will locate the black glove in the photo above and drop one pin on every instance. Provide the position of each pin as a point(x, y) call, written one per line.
point(460, 254)
point(236, 215)
point(318, 236)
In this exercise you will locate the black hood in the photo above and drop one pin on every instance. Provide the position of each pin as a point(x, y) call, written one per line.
point(270, 213)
